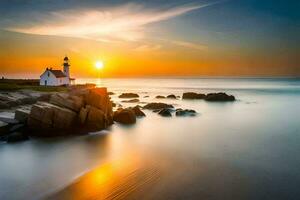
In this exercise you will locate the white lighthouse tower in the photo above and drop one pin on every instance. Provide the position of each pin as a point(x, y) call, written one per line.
point(66, 67)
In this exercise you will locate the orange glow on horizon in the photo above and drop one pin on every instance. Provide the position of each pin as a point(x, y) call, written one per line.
point(125, 60)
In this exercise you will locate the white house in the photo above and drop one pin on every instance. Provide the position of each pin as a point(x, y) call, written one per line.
point(53, 77)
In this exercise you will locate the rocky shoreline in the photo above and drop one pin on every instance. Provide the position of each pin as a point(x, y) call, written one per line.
point(81, 110)
point(23, 97)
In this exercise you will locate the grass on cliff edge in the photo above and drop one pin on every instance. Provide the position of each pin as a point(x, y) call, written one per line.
point(14, 87)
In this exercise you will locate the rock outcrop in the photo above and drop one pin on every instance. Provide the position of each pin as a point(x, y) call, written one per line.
point(95, 119)
point(89, 109)
point(44, 97)
point(154, 106)
point(125, 116)
point(99, 98)
point(128, 95)
point(171, 96)
point(13, 99)
point(11, 130)
point(193, 95)
point(9, 120)
point(22, 115)
point(185, 112)
point(3, 105)
point(160, 97)
point(67, 101)
point(131, 101)
point(165, 112)
point(48, 116)
point(221, 97)
point(138, 111)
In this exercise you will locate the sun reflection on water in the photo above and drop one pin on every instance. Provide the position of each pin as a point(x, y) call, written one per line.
point(109, 180)
point(99, 82)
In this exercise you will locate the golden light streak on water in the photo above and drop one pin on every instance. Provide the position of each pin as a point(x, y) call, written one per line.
point(117, 179)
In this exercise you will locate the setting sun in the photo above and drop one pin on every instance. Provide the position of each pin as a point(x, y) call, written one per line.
point(99, 65)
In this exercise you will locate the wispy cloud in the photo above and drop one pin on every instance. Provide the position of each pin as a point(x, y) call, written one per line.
point(189, 45)
point(146, 47)
point(125, 23)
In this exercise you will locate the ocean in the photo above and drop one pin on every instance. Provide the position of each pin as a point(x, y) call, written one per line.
point(247, 149)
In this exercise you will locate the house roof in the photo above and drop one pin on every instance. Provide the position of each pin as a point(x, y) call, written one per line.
point(58, 73)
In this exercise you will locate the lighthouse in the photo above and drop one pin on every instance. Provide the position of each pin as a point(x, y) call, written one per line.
point(55, 77)
point(66, 67)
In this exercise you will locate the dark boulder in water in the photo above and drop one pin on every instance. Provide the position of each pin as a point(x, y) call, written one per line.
point(131, 101)
point(185, 112)
point(138, 111)
point(171, 96)
point(124, 116)
point(154, 106)
point(128, 95)
point(160, 97)
point(165, 112)
point(193, 95)
point(220, 97)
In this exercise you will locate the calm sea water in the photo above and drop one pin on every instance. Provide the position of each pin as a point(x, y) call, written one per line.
point(248, 149)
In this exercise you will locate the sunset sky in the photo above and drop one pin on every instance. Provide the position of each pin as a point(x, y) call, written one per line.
point(151, 38)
